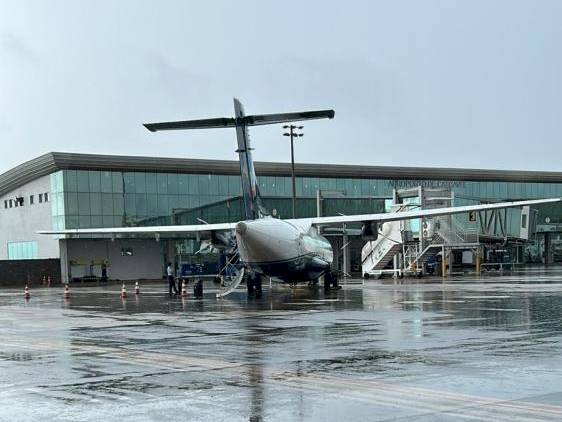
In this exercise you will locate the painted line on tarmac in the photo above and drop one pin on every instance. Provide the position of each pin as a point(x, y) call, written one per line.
point(385, 393)
point(419, 399)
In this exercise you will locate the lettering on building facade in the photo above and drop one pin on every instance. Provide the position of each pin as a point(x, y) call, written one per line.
point(434, 184)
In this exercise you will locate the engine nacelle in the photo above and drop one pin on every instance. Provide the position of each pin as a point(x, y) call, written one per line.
point(224, 242)
point(369, 231)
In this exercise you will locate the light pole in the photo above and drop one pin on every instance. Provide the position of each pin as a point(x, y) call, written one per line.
point(292, 134)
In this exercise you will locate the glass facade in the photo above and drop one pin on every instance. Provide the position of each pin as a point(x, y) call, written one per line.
point(89, 198)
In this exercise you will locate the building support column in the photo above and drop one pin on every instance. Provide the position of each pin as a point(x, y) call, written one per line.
point(64, 264)
point(477, 252)
point(346, 256)
point(443, 262)
point(547, 252)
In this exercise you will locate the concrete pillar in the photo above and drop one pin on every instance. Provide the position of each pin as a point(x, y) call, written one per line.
point(335, 242)
point(64, 264)
point(346, 256)
point(547, 249)
point(477, 252)
point(443, 262)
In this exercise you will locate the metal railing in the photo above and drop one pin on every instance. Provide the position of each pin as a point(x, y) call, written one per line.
point(447, 235)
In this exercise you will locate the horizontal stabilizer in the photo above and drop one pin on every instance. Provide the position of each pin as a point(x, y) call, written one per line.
point(255, 120)
point(270, 119)
point(192, 124)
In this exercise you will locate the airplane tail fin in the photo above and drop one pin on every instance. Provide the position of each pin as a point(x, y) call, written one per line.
point(253, 207)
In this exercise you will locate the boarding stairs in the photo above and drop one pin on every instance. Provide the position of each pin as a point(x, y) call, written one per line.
point(430, 248)
point(377, 254)
point(428, 253)
point(233, 285)
point(230, 284)
point(448, 236)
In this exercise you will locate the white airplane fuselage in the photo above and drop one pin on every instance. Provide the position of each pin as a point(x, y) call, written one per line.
point(289, 250)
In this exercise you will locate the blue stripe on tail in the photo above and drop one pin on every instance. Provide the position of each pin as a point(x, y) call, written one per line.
point(253, 207)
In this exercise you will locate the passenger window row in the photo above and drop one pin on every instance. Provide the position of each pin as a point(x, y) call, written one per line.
point(19, 201)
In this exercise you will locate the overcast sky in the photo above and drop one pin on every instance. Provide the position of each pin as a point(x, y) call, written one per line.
point(427, 83)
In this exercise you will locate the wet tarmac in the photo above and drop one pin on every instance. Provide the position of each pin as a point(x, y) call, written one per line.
point(430, 350)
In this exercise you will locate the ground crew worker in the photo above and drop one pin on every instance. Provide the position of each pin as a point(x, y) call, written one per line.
point(171, 281)
point(103, 272)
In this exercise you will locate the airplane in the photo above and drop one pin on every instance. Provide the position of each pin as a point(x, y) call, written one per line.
point(291, 250)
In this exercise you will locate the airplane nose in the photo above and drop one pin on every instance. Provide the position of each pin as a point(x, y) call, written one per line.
point(266, 240)
point(241, 227)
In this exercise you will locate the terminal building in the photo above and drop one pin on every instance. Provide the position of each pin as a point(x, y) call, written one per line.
point(71, 191)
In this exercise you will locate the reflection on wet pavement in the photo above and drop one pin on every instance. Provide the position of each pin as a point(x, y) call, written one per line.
point(463, 349)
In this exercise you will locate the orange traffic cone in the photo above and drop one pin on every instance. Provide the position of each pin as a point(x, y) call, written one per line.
point(26, 293)
point(123, 292)
point(183, 288)
point(66, 293)
point(137, 288)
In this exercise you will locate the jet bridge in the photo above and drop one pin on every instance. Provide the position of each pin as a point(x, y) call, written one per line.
point(408, 246)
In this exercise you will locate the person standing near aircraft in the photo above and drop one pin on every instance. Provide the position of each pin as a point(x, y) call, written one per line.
point(171, 281)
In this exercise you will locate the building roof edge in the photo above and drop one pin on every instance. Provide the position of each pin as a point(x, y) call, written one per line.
point(53, 161)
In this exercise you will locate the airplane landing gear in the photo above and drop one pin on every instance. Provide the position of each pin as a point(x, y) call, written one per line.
point(313, 284)
point(331, 281)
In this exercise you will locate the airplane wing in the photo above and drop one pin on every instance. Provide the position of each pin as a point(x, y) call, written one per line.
point(407, 215)
point(317, 221)
point(195, 228)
